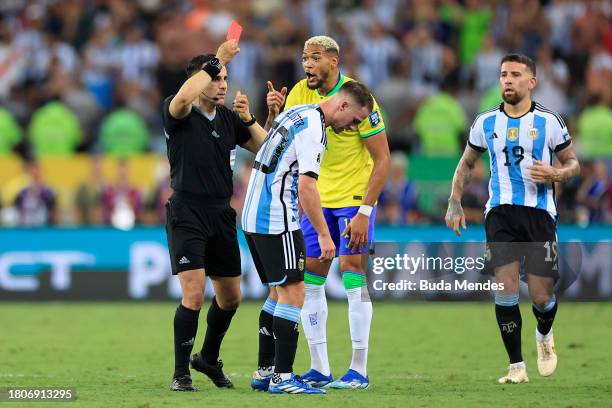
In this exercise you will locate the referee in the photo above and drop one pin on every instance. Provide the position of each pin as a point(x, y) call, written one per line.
point(201, 137)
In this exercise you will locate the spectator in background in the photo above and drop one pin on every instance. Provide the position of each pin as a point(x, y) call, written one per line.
point(440, 122)
point(526, 28)
point(10, 132)
point(12, 61)
point(36, 203)
point(380, 47)
point(592, 193)
point(88, 197)
point(430, 61)
point(123, 133)
point(54, 130)
point(476, 194)
point(595, 129)
point(121, 201)
point(486, 66)
point(562, 14)
point(475, 23)
point(553, 79)
point(100, 62)
point(284, 46)
point(398, 202)
point(599, 73)
point(138, 58)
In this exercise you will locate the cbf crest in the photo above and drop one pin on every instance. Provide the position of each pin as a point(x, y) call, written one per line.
point(513, 134)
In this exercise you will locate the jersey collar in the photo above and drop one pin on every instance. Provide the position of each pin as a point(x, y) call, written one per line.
point(203, 113)
point(533, 106)
point(338, 85)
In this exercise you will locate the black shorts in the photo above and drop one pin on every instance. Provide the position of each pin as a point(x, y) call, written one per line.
point(278, 258)
point(524, 234)
point(202, 235)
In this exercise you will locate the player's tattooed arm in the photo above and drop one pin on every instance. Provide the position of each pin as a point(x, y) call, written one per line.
point(545, 173)
point(454, 214)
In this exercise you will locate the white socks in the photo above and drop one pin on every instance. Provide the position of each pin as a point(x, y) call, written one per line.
point(360, 318)
point(314, 321)
point(543, 337)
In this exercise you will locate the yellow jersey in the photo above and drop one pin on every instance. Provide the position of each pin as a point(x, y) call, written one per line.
point(347, 164)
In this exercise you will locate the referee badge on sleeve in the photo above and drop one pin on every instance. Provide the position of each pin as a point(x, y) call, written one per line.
point(512, 134)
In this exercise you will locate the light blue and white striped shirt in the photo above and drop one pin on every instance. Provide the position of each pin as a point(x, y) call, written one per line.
point(513, 144)
point(294, 145)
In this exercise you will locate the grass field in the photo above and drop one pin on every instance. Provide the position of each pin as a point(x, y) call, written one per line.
point(421, 354)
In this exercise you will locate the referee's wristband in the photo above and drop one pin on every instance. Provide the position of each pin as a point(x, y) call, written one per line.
point(212, 70)
point(365, 210)
point(250, 122)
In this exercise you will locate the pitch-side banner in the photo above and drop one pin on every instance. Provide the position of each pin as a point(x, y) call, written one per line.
point(413, 263)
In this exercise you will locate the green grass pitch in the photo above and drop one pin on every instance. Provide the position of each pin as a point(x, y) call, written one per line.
point(421, 354)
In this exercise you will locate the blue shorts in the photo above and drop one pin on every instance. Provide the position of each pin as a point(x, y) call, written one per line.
point(337, 219)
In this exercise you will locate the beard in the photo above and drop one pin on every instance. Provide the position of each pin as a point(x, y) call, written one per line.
point(322, 79)
point(513, 99)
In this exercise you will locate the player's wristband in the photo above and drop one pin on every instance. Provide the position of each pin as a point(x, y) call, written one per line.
point(365, 210)
point(250, 122)
point(212, 69)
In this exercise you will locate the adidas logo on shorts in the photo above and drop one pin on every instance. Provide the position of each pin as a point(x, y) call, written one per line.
point(184, 260)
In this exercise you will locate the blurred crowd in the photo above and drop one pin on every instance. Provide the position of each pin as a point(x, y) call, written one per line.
point(89, 76)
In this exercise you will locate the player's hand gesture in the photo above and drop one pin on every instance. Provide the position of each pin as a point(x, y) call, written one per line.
point(543, 173)
point(227, 51)
point(328, 249)
point(357, 230)
point(275, 99)
point(455, 216)
point(241, 106)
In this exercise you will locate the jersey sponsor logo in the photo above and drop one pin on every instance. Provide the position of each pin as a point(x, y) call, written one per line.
point(374, 118)
point(512, 134)
point(533, 133)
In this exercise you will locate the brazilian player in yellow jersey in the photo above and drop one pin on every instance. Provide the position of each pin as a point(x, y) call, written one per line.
point(353, 172)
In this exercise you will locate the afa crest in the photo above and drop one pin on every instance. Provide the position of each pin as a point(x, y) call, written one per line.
point(532, 133)
point(513, 134)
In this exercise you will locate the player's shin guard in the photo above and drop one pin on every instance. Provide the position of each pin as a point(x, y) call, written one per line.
point(266, 340)
point(286, 331)
point(218, 321)
point(360, 318)
point(545, 315)
point(314, 321)
point(185, 328)
point(510, 323)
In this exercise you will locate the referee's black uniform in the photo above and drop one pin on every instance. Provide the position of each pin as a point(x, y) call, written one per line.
point(200, 223)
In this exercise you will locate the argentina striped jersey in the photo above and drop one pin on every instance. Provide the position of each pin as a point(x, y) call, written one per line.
point(513, 144)
point(294, 145)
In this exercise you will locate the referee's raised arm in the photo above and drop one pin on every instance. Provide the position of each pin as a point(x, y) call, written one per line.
point(180, 106)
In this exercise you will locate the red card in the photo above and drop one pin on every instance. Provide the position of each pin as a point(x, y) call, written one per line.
point(234, 31)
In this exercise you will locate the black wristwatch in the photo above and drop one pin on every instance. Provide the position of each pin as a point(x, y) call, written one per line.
point(250, 122)
point(213, 67)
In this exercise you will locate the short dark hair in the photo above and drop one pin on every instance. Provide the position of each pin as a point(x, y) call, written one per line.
point(359, 92)
point(521, 59)
point(197, 62)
